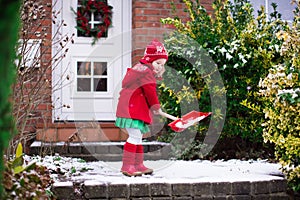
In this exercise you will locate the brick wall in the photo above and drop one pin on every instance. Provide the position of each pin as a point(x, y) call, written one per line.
point(35, 81)
point(146, 23)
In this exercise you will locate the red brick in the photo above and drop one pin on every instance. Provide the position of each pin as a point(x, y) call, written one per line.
point(152, 24)
point(155, 5)
point(156, 31)
point(139, 4)
point(123, 136)
point(152, 12)
point(64, 134)
point(90, 134)
point(111, 134)
point(44, 107)
point(46, 135)
point(138, 25)
point(153, 18)
point(140, 18)
point(140, 32)
point(138, 11)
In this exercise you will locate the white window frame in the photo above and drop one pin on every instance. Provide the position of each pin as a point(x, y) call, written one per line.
point(93, 76)
point(32, 53)
point(267, 5)
point(94, 94)
point(116, 62)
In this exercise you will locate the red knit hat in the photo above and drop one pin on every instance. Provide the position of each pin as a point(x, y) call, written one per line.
point(155, 50)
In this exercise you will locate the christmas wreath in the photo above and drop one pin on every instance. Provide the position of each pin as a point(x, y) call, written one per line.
point(101, 10)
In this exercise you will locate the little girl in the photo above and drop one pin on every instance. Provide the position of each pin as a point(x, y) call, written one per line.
point(137, 102)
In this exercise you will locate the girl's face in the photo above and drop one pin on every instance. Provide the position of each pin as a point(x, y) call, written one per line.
point(159, 65)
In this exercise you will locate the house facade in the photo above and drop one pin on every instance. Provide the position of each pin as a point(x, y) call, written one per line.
point(86, 83)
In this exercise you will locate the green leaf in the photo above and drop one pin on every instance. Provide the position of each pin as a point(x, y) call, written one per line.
point(18, 169)
point(17, 162)
point(22, 182)
point(73, 170)
point(30, 166)
point(19, 150)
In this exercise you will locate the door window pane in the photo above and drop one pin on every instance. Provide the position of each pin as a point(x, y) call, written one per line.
point(100, 84)
point(83, 84)
point(83, 68)
point(100, 68)
point(92, 76)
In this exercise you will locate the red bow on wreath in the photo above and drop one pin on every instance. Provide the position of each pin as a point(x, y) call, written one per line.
point(85, 10)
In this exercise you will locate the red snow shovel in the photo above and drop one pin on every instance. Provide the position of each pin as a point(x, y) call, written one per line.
point(187, 120)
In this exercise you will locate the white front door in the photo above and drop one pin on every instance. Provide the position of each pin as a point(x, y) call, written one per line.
point(89, 77)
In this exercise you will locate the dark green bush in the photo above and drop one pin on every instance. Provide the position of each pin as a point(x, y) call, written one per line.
point(243, 48)
point(8, 36)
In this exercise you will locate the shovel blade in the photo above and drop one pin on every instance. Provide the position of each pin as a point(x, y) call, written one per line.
point(188, 120)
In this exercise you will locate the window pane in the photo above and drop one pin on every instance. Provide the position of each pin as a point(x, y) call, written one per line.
point(100, 68)
point(84, 68)
point(100, 84)
point(257, 5)
point(283, 7)
point(83, 84)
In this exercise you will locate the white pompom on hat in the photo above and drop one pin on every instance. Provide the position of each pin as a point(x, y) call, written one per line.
point(155, 50)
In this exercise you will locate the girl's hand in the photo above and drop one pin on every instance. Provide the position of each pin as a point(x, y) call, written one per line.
point(159, 72)
point(160, 112)
point(157, 112)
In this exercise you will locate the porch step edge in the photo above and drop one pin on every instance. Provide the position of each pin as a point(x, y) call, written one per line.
point(91, 151)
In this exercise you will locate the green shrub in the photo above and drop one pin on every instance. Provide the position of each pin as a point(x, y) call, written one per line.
point(243, 48)
point(185, 81)
point(8, 36)
point(25, 181)
point(281, 90)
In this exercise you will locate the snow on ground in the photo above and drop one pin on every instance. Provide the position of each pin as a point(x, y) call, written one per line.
point(171, 171)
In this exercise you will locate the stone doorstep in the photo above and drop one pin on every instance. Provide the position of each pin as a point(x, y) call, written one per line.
point(88, 134)
point(272, 190)
point(106, 151)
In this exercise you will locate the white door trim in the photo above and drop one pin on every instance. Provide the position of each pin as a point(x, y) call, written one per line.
point(59, 77)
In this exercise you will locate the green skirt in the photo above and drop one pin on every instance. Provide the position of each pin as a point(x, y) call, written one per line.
point(132, 123)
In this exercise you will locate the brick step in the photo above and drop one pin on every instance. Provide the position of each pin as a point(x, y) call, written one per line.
point(256, 190)
point(79, 132)
point(92, 151)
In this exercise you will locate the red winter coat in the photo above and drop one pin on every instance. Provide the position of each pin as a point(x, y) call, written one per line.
point(138, 95)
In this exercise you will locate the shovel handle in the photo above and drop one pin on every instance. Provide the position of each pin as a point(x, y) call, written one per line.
point(168, 116)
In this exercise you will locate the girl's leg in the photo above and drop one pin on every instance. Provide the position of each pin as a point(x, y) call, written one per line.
point(135, 137)
point(129, 153)
point(139, 159)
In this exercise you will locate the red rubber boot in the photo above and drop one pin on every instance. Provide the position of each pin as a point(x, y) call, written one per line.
point(128, 167)
point(139, 159)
